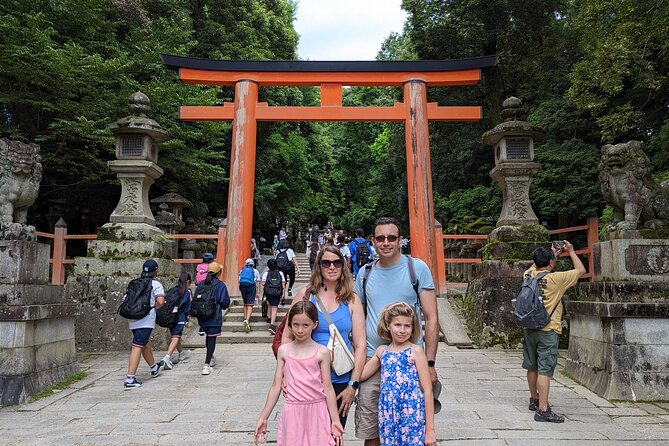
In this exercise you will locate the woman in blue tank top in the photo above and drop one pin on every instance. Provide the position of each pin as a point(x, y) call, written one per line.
point(332, 282)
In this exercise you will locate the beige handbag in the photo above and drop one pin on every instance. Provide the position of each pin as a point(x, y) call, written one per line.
point(342, 358)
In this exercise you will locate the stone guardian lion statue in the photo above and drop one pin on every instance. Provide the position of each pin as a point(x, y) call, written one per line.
point(638, 201)
point(20, 176)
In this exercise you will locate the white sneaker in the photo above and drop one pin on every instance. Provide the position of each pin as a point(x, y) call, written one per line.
point(206, 370)
point(185, 354)
point(212, 363)
point(246, 325)
point(168, 363)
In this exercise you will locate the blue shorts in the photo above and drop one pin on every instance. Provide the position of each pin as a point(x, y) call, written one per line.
point(248, 294)
point(177, 331)
point(141, 336)
point(212, 331)
point(273, 301)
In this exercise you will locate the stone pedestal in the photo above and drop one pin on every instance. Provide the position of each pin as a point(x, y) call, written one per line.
point(514, 179)
point(619, 329)
point(136, 178)
point(37, 347)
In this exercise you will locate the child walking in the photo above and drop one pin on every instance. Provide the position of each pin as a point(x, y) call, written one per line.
point(309, 416)
point(249, 277)
point(406, 407)
point(184, 313)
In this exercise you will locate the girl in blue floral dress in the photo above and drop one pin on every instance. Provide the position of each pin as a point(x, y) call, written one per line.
point(406, 407)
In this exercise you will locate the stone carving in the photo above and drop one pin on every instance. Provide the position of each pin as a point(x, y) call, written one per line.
point(658, 260)
point(626, 183)
point(20, 176)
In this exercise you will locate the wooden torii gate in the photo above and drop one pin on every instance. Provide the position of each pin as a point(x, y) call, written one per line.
point(246, 111)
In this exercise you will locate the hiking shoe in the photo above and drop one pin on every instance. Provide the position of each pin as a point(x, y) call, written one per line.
point(185, 354)
point(131, 385)
point(534, 405)
point(247, 327)
point(168, 363)
point(548, 416)
point(160, 364)
point(206, 370)
point(272, 329)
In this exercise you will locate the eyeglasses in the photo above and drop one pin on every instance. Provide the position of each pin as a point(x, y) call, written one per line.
point(383, 238)
point(328, 263)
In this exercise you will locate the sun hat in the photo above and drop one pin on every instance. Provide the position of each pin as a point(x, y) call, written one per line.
point(249, 262)
point(214, 268)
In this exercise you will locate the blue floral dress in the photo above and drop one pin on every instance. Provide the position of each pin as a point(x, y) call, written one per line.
point(401, 402)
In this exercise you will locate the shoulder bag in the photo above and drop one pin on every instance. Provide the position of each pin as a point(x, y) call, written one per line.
point(342, 358)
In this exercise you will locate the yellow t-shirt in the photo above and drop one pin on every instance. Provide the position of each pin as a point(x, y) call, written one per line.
point(553, 287)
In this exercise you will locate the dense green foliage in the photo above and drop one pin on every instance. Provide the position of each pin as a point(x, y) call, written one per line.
point(589, 72)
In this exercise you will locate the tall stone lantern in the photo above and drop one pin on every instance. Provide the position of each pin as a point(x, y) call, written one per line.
point(137, 139)
point(513, 142)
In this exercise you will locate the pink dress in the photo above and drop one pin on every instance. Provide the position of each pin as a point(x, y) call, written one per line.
point(305, 420)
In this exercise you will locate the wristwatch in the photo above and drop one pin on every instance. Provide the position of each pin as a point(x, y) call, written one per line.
point(430, 362)
point(354, 384)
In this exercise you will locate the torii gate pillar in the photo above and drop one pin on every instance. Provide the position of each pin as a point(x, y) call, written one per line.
point(419, 174)
point(242, 181)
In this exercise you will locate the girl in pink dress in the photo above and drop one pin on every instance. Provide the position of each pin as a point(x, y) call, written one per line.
point(309, 416)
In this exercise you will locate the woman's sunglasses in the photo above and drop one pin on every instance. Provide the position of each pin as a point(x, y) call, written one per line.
point(328, 263)
point(383, 238)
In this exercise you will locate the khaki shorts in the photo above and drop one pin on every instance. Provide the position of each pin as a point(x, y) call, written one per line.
point(367, 408)
point(540, 351)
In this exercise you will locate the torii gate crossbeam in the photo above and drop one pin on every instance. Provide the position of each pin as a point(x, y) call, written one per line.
point(248, 76)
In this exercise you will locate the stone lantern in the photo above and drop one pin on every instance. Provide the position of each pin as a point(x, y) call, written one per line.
point(513, 142)
point(137, 139)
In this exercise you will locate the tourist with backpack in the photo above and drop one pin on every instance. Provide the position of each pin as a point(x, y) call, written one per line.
point(139, 304)
point(286, 262)
point(313, 252)
point(361, 251)
point(273, 284)
point(177, 307)
point(248, 278)
point(393, 277)
point(540, 345)
point(210, 298)
point(343, 247)
point(201, 268)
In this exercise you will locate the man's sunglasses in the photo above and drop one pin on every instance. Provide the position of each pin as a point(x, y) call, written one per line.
point(383, 238)
point(327, 263)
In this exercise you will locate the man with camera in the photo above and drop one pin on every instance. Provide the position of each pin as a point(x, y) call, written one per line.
point(540, 347)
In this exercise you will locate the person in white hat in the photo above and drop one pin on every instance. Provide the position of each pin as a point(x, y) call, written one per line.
point(248, 281)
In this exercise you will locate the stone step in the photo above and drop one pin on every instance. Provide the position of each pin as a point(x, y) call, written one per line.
point(254, 337)
point(255, 317)
point(238, 326)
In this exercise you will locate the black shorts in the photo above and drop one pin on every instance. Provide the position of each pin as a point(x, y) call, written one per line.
point(273, 301)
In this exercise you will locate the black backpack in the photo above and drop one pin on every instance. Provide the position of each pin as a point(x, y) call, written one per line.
point(204, 305)
point(273, 286)
point(529, 309)
point(282, 261)
point(168, 315)
point(136, 302)
point(362, 254)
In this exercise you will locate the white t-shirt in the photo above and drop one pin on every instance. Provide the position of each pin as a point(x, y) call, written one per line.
point(289, 252)
point(149, 321)
point(264, 276)
point(345, 251)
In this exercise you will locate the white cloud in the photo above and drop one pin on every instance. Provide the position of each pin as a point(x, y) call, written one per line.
point(346, 29)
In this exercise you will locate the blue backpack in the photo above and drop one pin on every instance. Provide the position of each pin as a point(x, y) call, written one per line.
point(247, 276)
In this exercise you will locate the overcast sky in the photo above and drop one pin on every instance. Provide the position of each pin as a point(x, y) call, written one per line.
point(346, 29)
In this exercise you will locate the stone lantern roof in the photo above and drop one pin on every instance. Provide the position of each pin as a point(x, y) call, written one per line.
point(173, 199)
point(138, 122)
point(513, 125)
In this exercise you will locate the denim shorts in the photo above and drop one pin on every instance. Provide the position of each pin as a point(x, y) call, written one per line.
point(540, 351)
point(177, 330)
point(141, 336)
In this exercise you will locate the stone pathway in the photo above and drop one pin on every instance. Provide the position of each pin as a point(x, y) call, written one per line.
point(484, 398)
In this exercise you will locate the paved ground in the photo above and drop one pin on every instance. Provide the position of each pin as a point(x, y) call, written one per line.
point(484, 399)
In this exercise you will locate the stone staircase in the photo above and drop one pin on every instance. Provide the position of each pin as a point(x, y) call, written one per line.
point(233, 331)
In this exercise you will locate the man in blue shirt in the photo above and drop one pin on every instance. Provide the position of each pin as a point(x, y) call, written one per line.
point(389, 282)
point(361, 251)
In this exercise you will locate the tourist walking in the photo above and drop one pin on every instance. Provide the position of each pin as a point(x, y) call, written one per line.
point(273, 285)
point(211, 296)
point(540, 347)
point(286, 262)
point(406, 407)
point(141, 328)
point(176, 332)
point(392, 278)
point(331, 290)
point(309, 415)
point(361, 251)
point(249, 277)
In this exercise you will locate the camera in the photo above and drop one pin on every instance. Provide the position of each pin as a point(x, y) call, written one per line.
point(558, 245)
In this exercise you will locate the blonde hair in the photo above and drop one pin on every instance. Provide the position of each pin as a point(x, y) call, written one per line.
point(392, 311)
point(344, 287)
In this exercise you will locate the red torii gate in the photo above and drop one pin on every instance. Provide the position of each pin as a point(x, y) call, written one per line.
point(246, 111)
